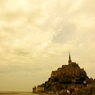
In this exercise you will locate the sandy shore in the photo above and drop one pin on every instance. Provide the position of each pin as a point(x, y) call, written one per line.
point(46, 94)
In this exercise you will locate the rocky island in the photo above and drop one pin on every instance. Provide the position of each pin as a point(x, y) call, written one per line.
point(69, 76)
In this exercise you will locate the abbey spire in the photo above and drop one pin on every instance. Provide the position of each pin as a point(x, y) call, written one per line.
point(69, 61)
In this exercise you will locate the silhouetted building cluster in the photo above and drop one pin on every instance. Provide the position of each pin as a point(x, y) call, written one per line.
point(68, 76)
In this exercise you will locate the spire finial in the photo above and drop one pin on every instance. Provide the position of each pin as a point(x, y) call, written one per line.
point(69, 56)
point(69, 61)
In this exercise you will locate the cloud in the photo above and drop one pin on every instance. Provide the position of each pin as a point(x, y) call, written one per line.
point(36, 36)
point(65, 33)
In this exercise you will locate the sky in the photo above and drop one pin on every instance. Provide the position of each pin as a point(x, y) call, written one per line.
point(36, 37)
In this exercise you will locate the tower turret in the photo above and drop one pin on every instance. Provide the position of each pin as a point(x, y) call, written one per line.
point(69, 61)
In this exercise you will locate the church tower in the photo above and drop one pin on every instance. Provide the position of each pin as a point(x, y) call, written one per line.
point(69, 61)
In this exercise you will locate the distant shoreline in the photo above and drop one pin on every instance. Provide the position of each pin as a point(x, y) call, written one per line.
point(13, 92)
point(9, 92)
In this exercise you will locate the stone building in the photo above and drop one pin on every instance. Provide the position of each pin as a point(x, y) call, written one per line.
point(72, 69)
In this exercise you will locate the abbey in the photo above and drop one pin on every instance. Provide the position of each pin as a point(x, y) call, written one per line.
point(70, 75)
point(72, 69)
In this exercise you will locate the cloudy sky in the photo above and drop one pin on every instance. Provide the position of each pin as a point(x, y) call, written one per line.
point(37, 35)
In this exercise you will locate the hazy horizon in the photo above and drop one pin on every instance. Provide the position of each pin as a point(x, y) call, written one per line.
point(36, 37)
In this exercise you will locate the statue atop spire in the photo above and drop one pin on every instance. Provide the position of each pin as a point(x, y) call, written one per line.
point(69, 61)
